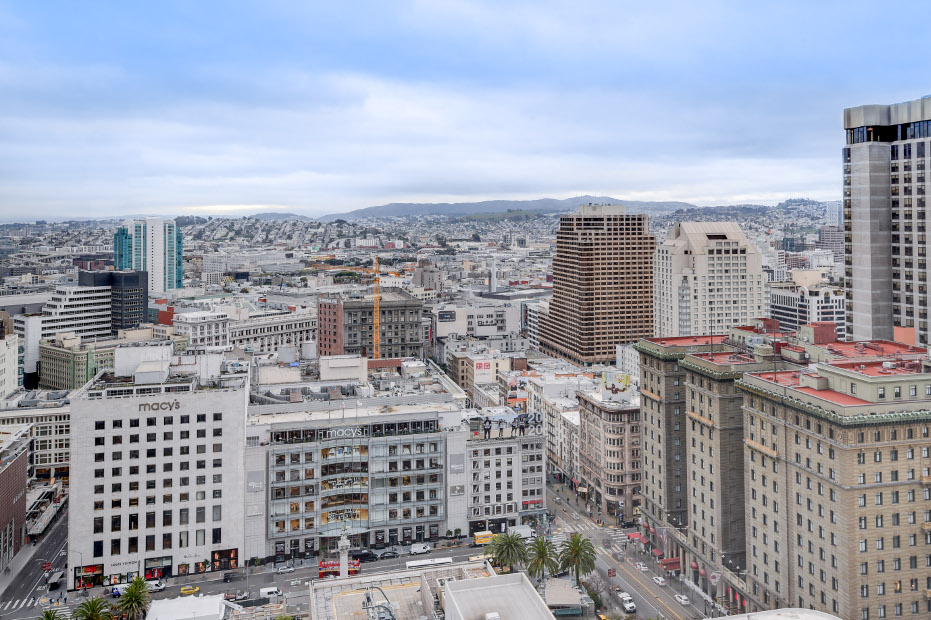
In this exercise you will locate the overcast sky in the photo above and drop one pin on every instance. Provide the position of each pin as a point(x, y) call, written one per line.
point(110, 108)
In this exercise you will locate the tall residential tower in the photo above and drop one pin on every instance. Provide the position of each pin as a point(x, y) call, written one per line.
point(152, 245)
point(602, 284)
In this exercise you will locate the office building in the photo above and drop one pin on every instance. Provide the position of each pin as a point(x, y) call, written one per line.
point(885, 206)
point(838, 479)
point(204, 329)
point(708, 277)
point(152, 245)
point(15, 441)
point(268, 331)
point(129, 295)
point(157, 453)
point(807, 300)
point(832, 238)
point(345, 324)
point(602, 284)
point(49, 416)
point(10, 368)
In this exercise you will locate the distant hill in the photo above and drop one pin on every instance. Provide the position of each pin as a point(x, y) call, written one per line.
point(460, 209)
point(280, 216)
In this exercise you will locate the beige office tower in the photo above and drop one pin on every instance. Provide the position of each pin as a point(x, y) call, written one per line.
point(708, 278)
point(602, 285)
point(884, 212)
point(838, 484)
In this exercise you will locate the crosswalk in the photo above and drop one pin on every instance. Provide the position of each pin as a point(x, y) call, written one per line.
point(40, 602)
point(610, 539)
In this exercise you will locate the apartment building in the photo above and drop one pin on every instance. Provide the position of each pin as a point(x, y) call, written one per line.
point(884, 207)
point(795, 304)
point(158, 485)
point(708, 277)
point(838, 472)
point(10, 369)
point(346, 323)
point(152, 245)
point(610, 452)
point(603, 261)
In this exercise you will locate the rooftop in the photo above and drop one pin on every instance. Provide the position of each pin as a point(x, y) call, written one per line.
point(872, 348)
point(688, 341)
point(792, 379)
point(880, 368)
point(726, 357)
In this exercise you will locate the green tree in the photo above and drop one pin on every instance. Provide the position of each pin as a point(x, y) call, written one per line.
point(458, 533)
point(93, 609)
point(542, 558)
point(578, 555)
point(507, 550)
point(135, 601)
point(51, 614)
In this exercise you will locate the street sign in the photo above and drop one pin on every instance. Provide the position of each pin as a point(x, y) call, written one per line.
point(612, 572)
point(46, 566)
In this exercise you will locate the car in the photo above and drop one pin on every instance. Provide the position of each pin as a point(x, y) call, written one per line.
point(682, 599)
point(418, 548)
point(227, 577)
point(157, 586)
point(364, 555)
point(660, 581)
point(641, 566)
point(388, 555)
point(284, 570)
point(189, 590)
point(628, 524)
point(628, 604)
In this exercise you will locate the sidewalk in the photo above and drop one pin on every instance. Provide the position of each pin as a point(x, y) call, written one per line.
point(20, 560)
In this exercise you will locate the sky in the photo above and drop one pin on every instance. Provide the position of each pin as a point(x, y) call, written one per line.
point(115, 108)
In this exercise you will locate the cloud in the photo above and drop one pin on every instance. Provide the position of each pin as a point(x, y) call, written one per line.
point(316, 108)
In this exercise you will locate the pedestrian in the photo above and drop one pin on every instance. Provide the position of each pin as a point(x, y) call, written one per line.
point(514, 426)
point(487, 426)
point(500, 429)
point(521, 425)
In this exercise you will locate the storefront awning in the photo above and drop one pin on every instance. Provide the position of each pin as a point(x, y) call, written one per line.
point(583, 489)
point(657, 552)
point(574, 481)
point(633, 536)
point(671, 563)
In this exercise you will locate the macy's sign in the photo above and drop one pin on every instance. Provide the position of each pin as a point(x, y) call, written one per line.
point(164, 406)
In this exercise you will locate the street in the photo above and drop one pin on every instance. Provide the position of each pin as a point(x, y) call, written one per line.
point(27, 589)
point(652, 600)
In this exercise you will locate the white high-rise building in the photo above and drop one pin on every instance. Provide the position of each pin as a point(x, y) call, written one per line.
point(152, 245)
point(707, 278)
point(157, 484)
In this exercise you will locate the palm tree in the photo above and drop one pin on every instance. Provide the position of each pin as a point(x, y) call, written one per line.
point(507, 550)
point(51, 614)
point(543, 558)
point(578, 555)
point(135, 600)
point(93, 609)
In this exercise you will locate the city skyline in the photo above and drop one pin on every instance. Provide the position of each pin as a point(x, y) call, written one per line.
point(191, 110)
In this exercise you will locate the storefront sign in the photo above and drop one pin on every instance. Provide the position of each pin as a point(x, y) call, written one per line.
point(353, 431)
point(162, 406)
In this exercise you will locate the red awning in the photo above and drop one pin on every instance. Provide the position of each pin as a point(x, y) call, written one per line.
point(634, 536)
point(657, 552)
point(693, 565)
point(702, 572)
point(671, 563)
point(574, 481)
point(652, 530)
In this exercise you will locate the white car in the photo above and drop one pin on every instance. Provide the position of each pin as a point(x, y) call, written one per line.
point(284, 570)
point(682, 599)
point(418, 548)
point(157, 586)
point(659, 581)
point(627, 603)
point(641, 566)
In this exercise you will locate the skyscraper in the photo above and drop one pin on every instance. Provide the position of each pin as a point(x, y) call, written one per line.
point(885, 261)
point(152, 245)
point(707, 278)
point(602, 284)
point(128, 295)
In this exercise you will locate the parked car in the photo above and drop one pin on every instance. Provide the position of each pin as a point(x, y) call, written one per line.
point(641, 566)
point(628, 603)
point(239, 595)
point(659, 581)
point(418, 548)
point(227, 577)
point(388, 555)
point(157, 586)
point(189, 590)
point(364, 555)
point(284, 570)
point(628, 524)
point(682, 599)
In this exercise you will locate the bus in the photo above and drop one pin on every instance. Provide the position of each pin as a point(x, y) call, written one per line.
point(483, 538)
point(430, 562)
point(330, 568)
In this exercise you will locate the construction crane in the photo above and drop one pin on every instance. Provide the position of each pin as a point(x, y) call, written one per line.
point(376, 337)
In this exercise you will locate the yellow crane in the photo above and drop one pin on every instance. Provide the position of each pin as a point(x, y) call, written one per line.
point(376, 336)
